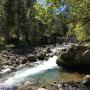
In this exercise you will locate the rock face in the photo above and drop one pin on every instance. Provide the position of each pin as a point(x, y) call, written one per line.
point(74, 56)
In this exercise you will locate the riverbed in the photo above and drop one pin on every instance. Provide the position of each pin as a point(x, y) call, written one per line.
point(42, 73)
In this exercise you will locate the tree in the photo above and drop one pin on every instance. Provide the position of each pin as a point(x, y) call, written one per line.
point(79, 15)
point(49, 14)
point(10, 16)
point(16, 22)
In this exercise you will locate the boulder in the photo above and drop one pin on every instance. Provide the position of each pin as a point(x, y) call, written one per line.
point(24, 60)
point(31, 58)
point(75, 56)
point(86, 56)
point(17, 62)
point(41, 56)
point(86, 80)
point(48, 50)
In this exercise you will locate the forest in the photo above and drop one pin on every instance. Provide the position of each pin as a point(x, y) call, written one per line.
point(44, 44)
point(31, 22)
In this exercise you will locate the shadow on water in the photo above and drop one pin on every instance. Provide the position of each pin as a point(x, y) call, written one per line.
point(79, 69)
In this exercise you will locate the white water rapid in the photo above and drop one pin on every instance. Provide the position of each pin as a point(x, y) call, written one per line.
point(18, 77)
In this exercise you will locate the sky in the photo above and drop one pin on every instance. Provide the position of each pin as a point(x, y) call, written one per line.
point(61, 9)
point(42, 2)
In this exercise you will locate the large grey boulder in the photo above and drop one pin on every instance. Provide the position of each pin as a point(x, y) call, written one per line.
point(74, 56)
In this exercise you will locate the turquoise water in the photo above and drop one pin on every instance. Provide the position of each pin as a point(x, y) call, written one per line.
point(51, 75)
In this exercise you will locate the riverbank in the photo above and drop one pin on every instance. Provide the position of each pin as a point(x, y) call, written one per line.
point(79, 84)
point(42, 55)
point(12, 60)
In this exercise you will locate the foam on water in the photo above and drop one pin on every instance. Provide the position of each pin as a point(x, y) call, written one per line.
point(21, 75)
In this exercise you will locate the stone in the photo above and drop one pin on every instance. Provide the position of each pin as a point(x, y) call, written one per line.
point(86, 80)
point(41, 56)
point(5, 71)
point(48, 50)
point(74, 56)
point(24, 61)
point(41, 89)
point(31, 58)
point(17, 62)
point(12, 68)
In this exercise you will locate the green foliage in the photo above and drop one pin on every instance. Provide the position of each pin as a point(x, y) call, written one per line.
point(79, 19)
point(46, 14)
point(43, 14)
point(80, 30)
point(27, 21)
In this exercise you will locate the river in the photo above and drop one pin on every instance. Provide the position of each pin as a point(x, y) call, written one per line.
point(42, 73)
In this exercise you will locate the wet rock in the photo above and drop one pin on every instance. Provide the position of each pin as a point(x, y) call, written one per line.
point(47, 50)
point(20, 66)
point(15, 65)
point(28, 64)
point(31, 58)
point(12, 68)
point(24, 60)
point(44, 86)
point(41, 56)
point(5, 71)
point(54, 84)
point(86, 80)
point(17, 62)
point(9, 62)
